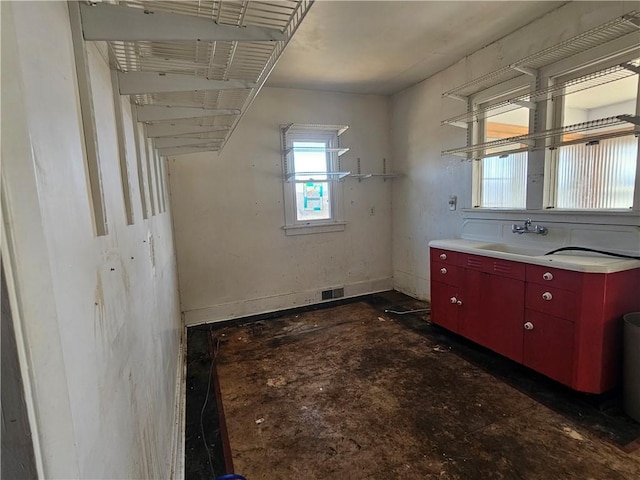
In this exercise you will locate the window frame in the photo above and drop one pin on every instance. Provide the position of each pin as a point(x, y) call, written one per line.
point(315, 134)
point(556, 119)
point(477, 133)
point(540, 184)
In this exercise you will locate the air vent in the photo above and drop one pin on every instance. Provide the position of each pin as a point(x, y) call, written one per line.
point(333, 293)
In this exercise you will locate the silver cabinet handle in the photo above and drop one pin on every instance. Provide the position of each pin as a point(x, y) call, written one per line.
point(459, 302)
point(443, 256)
point(547, 296)
point(453, 300)
point(528, 326)
point(443, 271)
point(547, 276)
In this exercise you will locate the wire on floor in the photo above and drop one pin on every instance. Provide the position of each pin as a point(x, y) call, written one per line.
point(406, 312)
point(204, 405)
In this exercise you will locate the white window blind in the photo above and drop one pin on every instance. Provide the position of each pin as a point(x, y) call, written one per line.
point(597, 176)
point(504, 181)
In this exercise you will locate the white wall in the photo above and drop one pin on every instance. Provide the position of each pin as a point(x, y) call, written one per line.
point(575, 115)
point(420, 208)
point(621, 108)
point(234, 258)
point(97, 318)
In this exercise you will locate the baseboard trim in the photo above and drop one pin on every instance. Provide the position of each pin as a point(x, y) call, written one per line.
point(412, 285)
point(179, 424)
point(257, 306)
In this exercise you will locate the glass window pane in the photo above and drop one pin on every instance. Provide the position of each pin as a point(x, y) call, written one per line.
point(504, 181)
point(312, 201)
point(310, 157)
point(617, 97)
point(509, 122)
point(597, 176)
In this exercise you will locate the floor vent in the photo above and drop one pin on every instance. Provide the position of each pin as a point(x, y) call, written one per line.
point(333, 293)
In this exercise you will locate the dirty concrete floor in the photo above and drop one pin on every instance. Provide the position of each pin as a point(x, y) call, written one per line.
point(351, 392)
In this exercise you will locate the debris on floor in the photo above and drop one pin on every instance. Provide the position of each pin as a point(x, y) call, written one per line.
point(359, 374)
point(276, 382)
point(439, 348)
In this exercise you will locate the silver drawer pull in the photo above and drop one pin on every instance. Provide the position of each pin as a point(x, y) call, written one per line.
point(547, 276)
point(528, 326)
point(443, 256)
point(443, 271)
point(547, 296)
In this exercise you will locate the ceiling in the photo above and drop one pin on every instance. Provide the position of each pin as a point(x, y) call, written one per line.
point(382, 47)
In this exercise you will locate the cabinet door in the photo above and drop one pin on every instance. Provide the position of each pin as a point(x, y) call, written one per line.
point(548, 345)
point(492, 312)
point(472, 321)
point(443, 312)
point(504, 313)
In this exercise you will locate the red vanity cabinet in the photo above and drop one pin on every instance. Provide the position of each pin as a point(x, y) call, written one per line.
point(564, 324)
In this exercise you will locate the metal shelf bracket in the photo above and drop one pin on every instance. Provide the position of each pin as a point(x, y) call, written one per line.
point(635, 120)
point(532, 72)
point(524, 104)
point(461, 98)
point(631, 67)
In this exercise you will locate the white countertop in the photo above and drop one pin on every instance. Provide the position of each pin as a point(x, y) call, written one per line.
point(576, 261)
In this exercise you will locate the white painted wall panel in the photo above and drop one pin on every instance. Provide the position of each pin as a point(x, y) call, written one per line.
point(115, 297)
point(234, 258)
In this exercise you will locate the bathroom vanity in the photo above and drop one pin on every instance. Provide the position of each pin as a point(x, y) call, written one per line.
point(560, 315)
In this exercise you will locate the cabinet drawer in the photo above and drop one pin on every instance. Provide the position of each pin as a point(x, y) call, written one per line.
point(445, 273)
point(444, 256)
point(553, 301)
point(555, 277)
point(495, 266)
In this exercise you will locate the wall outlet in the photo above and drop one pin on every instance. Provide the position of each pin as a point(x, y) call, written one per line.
point(453, 202)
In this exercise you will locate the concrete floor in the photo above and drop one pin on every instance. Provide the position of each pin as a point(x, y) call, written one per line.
point(350, 392)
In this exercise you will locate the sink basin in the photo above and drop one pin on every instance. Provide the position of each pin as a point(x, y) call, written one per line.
point(514, 249)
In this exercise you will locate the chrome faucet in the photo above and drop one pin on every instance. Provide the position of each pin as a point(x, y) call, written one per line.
point(527, 228)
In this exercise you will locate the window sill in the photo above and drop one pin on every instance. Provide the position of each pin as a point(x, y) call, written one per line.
point(602, 217)
point(307, 229)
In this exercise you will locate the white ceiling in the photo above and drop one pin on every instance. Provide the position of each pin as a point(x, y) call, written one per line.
point(382, 47)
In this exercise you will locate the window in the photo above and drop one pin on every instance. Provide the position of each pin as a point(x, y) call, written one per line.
point(596, 168)
point(503, 181)
point(597, 175)
point(501, 173)
point(311, 162)
point(311, 175)
point(557, 129)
